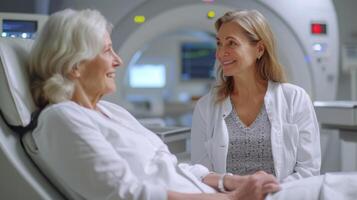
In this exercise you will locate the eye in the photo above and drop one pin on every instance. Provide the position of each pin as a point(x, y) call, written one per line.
point(218, 44)
point(107, 50)
point(232, 43)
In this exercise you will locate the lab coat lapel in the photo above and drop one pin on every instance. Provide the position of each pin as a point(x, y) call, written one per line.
point(220, 149)
point(274, 111)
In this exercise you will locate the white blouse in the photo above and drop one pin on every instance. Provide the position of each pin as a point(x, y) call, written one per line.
point(110, 155)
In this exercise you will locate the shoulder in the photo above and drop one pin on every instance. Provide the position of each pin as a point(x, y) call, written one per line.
point(291, 94)
point(65, 114)
point(63, 109)
point(207, 100)
point(285, 87)
point(289, 90)
point(64, 118)
point(206, 105)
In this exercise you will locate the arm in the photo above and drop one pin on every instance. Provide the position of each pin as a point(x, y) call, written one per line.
point(255, 186)
point(198, 137)
point(234, 182)
point(182, 196)
point(308, 160)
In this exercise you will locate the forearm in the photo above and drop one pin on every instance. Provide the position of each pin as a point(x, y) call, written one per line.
point(229, 182)
point(185, 196)
point(255, 186)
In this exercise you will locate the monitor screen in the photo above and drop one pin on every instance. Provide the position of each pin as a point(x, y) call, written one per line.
point(18, 28)
point(147, 76)
point(197, 60)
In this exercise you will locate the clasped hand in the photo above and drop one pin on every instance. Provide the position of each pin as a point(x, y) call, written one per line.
point(251, 187)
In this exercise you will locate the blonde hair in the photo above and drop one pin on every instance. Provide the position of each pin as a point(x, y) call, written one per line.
point(68, 38)
point(255, 28)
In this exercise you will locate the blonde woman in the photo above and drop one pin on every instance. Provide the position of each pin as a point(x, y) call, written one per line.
point(252, 120)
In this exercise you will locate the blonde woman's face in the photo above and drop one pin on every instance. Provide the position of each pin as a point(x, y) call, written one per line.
point(97, 76)
point(236, 55)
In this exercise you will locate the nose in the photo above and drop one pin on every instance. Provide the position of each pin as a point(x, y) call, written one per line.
point(221, 52)
point(117, 61)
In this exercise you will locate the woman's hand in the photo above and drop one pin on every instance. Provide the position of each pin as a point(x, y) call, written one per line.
point(250, 187)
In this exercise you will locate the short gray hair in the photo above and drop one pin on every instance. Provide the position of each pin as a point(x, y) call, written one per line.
point(68, 38)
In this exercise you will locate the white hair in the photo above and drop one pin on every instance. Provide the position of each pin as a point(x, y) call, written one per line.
point(68, 38)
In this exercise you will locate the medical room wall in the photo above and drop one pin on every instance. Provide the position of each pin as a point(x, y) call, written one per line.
point(28, 6)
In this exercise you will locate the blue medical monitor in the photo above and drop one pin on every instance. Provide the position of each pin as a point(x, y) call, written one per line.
point(197, 60)
point(18, 28)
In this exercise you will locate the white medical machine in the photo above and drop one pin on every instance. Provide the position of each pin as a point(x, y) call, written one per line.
point(306, 34)
point(176, 138)
point(342, 115)
point(307, 39)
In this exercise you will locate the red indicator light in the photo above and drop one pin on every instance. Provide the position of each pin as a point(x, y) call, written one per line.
point(318, 29)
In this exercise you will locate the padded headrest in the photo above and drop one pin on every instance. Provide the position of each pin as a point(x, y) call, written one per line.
point(16, 102)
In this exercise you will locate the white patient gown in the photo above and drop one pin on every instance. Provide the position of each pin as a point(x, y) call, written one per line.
point(110, 155)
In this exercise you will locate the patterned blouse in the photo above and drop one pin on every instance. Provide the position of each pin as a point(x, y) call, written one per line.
point(249, 147)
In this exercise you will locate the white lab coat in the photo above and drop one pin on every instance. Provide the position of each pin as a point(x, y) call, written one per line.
point(295, 136)
point(115, 158)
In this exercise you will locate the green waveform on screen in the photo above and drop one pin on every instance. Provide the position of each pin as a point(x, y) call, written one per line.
point(196, 54)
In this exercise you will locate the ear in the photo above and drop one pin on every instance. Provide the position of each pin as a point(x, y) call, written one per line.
point(74, 73)
point(260, 49)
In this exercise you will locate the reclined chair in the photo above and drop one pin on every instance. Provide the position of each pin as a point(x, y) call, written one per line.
point(20, 177)
point(23, 175)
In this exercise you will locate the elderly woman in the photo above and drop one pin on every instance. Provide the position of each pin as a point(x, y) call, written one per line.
point(252, 120)
point(96, 148)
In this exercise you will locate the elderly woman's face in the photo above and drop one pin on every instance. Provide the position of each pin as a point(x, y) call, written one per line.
point(97, 76)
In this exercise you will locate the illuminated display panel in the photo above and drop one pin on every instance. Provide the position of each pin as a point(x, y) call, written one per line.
point(197, 60)
point(318, 28)
point(147, 76)
point(18, 28)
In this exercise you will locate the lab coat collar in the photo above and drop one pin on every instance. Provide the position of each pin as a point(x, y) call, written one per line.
point(226, 107)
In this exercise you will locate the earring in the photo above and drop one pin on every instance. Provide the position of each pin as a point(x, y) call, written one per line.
point(259, 57)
